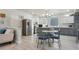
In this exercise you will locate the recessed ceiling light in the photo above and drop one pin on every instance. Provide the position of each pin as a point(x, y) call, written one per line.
point(47, 14)
point(52, 13)
point(68, 10)
point(43, 15)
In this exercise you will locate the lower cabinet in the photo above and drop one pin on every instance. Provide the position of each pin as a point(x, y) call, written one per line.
point(68, 31)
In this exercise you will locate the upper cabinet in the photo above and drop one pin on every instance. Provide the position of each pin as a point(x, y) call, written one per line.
point(66, 19)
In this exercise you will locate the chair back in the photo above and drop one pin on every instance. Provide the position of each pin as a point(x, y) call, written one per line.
point(57, 33)
point(40, 32)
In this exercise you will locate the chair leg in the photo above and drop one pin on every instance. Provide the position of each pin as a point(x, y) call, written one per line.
point(52, 40)
point(41, 42)
point(49, 43)
point(77, 39)
point(37, 43)
point(59, 43)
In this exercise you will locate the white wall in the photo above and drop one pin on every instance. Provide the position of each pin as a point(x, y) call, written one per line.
point(13, 20)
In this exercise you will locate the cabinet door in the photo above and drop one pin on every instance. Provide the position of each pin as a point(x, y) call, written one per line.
point(70, 32)
point(63, 31)
point(67, 31)
point(69, 19)
point(76, 19)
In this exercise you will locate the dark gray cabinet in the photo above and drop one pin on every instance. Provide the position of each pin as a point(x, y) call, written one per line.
point(76, 19)
point(68, 31)
point(63, 31)
point(71, 31)
point(76, 24)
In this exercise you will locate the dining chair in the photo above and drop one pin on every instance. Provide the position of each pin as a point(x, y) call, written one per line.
point(56, 35)
point(42, 36)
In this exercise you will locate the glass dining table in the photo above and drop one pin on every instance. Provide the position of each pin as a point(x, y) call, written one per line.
point(50, 33)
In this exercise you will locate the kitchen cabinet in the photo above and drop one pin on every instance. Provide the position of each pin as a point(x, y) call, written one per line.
point(68, 31)
point(66, 19)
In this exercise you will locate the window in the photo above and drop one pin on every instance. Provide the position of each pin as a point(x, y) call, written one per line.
point(53, 21)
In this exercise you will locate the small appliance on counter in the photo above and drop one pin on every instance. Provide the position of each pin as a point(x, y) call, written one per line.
point(40, 25)
point(70, 26)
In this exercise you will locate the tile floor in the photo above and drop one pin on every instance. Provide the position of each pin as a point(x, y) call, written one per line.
point(29, 43)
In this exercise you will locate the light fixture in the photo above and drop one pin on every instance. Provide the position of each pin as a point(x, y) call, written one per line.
point(47, 14)
point(52, 13)
point(43, 14)
point(68, 10)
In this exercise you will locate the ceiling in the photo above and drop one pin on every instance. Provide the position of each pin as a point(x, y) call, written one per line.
point(43, 12)
point(57, 12)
